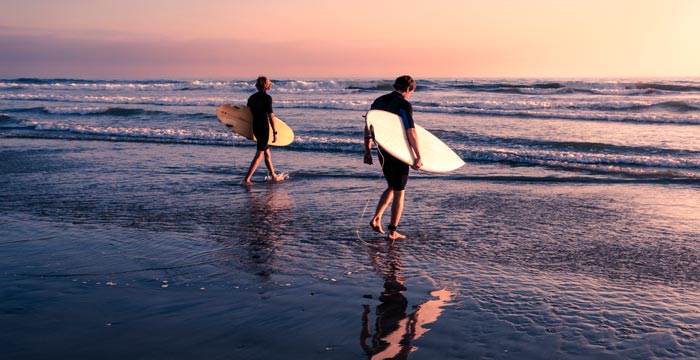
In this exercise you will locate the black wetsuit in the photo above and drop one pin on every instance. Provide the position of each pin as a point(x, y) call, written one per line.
point(395, 170)
point(260, 104)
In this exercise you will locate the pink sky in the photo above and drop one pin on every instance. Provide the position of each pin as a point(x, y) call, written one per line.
point(359, 38)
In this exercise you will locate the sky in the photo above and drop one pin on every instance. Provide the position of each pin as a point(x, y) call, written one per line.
point(221, 39)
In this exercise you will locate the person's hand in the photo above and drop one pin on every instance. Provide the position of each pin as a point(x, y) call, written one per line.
point(274, 137)
point(368, 158)
point(417, 164)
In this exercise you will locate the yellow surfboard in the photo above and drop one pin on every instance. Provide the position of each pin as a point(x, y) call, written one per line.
point(239, 119)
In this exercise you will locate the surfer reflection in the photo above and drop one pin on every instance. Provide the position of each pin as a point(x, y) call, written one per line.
point(394, 330)
point(258, 229)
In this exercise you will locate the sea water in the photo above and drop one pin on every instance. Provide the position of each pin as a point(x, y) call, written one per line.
point(570, 233)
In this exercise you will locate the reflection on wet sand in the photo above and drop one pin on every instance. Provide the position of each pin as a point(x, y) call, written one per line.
point(394, 329)
point(266, 222)
point(267, 216)
point(252, 231)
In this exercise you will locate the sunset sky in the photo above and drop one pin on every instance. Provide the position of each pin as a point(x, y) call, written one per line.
point(358, 38)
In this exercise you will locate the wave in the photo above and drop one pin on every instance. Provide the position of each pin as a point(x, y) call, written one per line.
point(577, 147)
point(53, 130)
point(11, 122)
point(122, 85)
point(672, 106)
point(372, 86)
point(580, 160)
point(582, 115)
point(127, 112)
point(663, 179)
point(524, 152)
point(283, 86)
point(667, 112)
point(157, 100)
point(43, 81)
point(37, 110)
point(677, 106)
point(581, 87)
point(548, 87)
point(79, 84)
point(577, 179)
point(614, 167)
point(101, 111)
point(668, 87)
point(115, 133)
point(647, 164)
point(612, 87)
point(672, 102)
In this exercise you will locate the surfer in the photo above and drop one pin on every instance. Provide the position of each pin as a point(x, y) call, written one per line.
point(395, 171)
point(260, 104)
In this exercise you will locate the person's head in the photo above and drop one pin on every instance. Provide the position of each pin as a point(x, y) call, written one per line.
point(404, 84)
point(263, 83)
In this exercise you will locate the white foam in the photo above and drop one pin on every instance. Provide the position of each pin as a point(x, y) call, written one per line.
point(553, 157)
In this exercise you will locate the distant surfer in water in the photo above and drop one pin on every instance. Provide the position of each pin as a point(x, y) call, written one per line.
point(395, 171)
point(260, 104)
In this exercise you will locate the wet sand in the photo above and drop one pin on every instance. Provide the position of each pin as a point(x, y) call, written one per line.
point(152, 251)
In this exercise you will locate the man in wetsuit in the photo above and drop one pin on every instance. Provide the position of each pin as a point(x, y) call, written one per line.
point(395, 171)
point(260, 104)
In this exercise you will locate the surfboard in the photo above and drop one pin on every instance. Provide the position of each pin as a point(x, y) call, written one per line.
point(239, 119)
point(389, 133)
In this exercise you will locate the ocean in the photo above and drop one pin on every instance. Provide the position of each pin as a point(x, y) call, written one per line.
point(570, 233)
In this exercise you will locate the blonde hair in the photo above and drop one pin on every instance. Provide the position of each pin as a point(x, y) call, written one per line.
point(263, 83)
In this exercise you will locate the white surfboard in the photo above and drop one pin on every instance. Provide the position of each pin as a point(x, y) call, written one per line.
point(239, 119)
point(389, 133)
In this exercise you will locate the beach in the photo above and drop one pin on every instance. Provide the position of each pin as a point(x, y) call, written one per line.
point(571, 233)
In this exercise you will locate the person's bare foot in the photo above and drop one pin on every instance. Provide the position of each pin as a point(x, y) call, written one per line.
point(376, 225)
point(395, 235)
point(277, 177)
point(246, 183)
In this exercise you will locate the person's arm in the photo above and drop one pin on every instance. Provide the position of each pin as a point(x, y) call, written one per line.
point(271, 118)
point(368, 146)
point(413, 141)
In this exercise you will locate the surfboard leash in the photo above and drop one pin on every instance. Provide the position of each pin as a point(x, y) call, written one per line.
point(233, 142)
point(364, 210)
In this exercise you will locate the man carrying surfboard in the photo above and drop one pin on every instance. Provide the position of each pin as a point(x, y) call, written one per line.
point(260, 105)
point(395, 171)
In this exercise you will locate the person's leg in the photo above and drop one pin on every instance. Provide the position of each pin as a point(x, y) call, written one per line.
point(268, 163)
point(253, 166)
point(396, 211)
point(270, 167)
point(389, 164)
point(384, 201)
